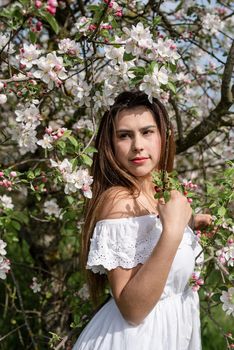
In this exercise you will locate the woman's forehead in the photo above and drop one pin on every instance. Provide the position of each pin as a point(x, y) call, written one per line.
point(139, 114)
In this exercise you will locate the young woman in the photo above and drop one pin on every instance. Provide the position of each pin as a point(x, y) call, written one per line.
point(142, 247)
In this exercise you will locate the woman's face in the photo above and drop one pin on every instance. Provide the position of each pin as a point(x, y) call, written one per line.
point(137, 141)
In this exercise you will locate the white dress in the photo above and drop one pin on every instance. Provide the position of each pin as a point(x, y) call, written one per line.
point(174, 322)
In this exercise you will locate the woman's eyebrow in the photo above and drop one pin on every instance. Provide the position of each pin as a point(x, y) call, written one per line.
point(142, 129)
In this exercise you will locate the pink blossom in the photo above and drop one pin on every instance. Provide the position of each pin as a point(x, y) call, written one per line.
point(13, 173)
point(51, 9)
point(119, 13)
point(38, 4)
point(92, 27)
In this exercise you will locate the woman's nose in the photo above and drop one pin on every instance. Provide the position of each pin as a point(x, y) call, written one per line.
point(137, 144)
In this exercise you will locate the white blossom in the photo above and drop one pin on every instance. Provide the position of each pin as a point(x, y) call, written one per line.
point(84, 123)
point(83, 93)
point(115, 53)
point(51, 70)
point(27, 140)
point(6, 43)
point(6, 202)
point(51, 208)
point(4, 267)
point(140, 38)
point(29, 55)
point(35, 286)
point(64, 166)
point(165, 48)
point(151, 83)
point(83, 292)
point(227, 298)
point(3, 99)
point(29, 115)
point(2, 247)
point(226, 254)
point(82, 25)
point(69, 46)
point(211, 24)
point(46, 142)
point(78, 179)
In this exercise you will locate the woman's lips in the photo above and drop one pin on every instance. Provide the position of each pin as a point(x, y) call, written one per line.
point(139, 160)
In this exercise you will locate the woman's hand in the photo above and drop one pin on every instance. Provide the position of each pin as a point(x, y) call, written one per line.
point(202, 220)
point(174, 214)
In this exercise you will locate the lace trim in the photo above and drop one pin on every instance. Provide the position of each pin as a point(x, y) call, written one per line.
point(121, 246)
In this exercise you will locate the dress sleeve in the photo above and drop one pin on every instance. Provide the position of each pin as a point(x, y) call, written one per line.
point(119, 243)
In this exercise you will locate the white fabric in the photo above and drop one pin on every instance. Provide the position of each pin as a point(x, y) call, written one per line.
point(174, 322)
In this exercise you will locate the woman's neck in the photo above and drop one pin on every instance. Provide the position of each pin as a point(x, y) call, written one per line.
point(146, 185)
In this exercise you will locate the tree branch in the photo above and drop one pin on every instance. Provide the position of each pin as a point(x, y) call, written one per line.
point(214, 121)
point(178, 119)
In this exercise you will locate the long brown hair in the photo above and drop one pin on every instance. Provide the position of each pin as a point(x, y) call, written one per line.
point(107, 172)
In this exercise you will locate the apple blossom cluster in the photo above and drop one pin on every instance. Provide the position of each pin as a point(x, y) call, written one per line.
point(211, 24)
point(50, 136)
point(50, 70)
point(35, 286)
point(138, 42)
point(51, 208)
point(83, 292)
point(4, 262)
point(78, 179)
point(3, 97)
point(6, 202)
point(225, 255)
point(28, 55)
point(227, 299)
point(80, 89)
point(7, 182)
point(115, 8)
point(69, 47)
point(196, 281)
point(83, 123)
point(28, 119)
point(50, 6)
point(5, 44)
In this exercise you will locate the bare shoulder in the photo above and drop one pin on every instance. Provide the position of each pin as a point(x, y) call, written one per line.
point(117, 202)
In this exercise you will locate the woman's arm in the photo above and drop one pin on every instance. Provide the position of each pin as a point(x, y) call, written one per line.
point(137, 290)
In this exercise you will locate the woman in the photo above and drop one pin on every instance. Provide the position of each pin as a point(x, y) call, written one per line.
point(144, 248)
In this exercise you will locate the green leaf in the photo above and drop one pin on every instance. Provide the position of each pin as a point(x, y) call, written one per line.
point(86, 159)
point(151, 67)
point(61, 144)
point(70, 199)
point(46, 16)
point(16, 225)
point(222, 211)
point(30, 175)
point(32, 37)
point(24, 2)
point(73, 140)
point(91, 150)
point(171, 86)
point(156, 21)
point(166, 196)
point(128, 57)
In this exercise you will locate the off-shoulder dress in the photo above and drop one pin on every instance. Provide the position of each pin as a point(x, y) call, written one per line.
point(174, 322)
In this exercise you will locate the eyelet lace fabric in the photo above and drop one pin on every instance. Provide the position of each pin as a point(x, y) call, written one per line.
point(174, 322)
point(126, 242)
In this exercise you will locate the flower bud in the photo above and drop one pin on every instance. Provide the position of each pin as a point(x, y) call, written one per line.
point(38, 4)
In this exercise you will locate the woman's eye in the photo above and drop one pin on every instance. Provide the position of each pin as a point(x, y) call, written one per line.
point(123, 136)
point(148, 132)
